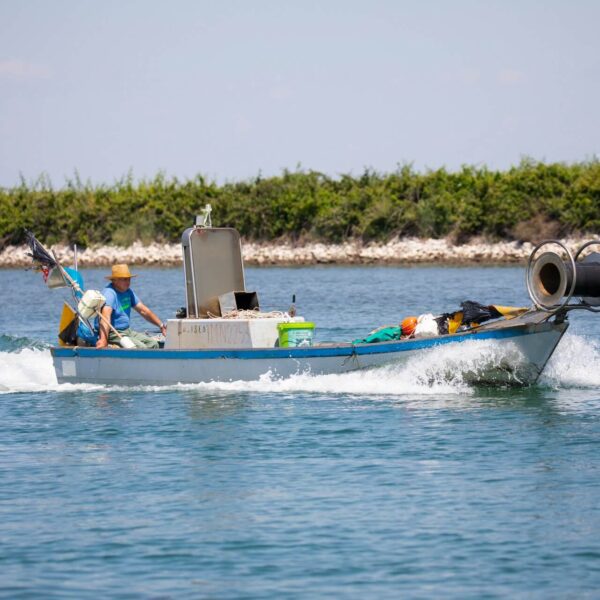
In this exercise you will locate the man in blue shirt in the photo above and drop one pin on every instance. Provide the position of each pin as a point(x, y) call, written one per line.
point(120, 299)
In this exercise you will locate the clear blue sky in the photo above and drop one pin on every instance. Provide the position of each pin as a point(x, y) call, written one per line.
point(231, 88)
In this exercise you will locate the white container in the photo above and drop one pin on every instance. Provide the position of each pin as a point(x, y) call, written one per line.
point(190, 334)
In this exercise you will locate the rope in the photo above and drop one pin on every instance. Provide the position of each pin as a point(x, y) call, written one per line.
point(250, 314)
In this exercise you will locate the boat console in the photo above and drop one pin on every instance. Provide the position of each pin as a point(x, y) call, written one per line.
point(220, 312)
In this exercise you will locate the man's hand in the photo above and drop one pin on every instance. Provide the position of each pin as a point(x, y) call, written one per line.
point(103, 327)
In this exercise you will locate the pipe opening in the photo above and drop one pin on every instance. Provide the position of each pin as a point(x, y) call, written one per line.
point(550, 278)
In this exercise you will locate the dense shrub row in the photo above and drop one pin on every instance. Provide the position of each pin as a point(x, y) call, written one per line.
point(525, 202)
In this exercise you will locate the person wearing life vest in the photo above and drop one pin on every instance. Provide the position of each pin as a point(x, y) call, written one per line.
point(120, 299)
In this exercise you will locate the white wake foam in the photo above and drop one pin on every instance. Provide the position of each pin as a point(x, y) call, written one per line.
point(434, 371)
point(384, 381)
point(441, 370)
point(575, 363)
point(31, 370)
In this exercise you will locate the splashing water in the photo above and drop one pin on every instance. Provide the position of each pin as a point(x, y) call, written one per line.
point(575, 363)
point(26, 366)
point(434, 371)
point(29, 369)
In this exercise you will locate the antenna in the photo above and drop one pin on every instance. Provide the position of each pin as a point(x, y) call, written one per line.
point(292, 308)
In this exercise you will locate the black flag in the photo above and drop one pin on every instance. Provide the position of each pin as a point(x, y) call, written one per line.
point(42, 259)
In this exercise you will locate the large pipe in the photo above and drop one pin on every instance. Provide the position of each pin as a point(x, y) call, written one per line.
point(551, 279)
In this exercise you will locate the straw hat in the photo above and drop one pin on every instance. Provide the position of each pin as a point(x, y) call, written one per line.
point(120, 271)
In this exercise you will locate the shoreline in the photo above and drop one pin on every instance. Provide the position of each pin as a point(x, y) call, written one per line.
point(402, 251)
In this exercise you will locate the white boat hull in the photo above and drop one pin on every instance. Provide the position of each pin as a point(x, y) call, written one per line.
point(525, 345)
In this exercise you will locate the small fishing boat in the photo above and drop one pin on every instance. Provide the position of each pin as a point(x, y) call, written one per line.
point(223, 336)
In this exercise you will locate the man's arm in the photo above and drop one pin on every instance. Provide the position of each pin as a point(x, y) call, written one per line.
point(106, 312)
point(150, 316)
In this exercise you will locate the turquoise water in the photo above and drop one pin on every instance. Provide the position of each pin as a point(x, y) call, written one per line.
point(384, 484)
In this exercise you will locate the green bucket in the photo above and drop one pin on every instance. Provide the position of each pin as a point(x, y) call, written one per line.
point(292, 335)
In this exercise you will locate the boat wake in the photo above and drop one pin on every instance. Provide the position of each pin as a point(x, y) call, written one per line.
point(436, 371)
point(26, 366)
point(11, 343)
point(574, 364)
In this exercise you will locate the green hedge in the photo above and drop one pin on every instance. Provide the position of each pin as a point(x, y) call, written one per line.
point(527, 201)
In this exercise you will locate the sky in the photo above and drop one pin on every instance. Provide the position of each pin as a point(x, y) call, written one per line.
point(233, 89)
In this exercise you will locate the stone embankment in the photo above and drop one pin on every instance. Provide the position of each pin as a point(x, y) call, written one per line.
point(399, 251)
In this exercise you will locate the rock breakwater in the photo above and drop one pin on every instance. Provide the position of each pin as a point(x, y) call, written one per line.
point(399, 251)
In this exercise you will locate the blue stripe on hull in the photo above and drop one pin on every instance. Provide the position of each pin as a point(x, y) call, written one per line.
point(307, 352)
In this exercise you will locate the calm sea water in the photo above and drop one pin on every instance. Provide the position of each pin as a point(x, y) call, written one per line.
point(384, 484)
